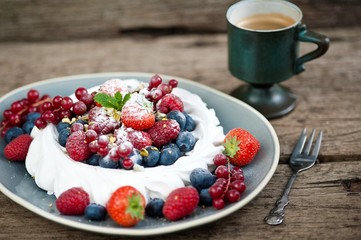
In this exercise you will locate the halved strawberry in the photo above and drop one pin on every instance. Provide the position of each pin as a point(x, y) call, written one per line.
point(240, 146)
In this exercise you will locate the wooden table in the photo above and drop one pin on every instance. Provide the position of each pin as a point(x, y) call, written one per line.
point(325, 200)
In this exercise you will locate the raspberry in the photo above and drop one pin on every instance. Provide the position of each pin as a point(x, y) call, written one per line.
point(139, 139)
point(18, 148)
point(112, 86)
point(169, 103)
point(73, 201)
point(180, 203)
point(101, 122)
point(77, 147)
point(163, 132)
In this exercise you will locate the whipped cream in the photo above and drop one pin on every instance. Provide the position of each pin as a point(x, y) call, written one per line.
point(55, 172)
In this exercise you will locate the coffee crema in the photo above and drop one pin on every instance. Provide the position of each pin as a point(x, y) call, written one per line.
point(267, 21)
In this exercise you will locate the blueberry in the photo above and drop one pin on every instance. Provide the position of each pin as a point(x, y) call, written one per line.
point(201, 178)
point(81, 121)
point(190, 123)
point(32, 116)
point(205, 198)
point(169, 154)
point(136, 157)
point(28, 126)
point(63, 136)
point(106, 162)
point(93, 160)
point(185, 141)
point(150, 156)
point(13, 133)
point(179, 117)
point(154, 207)
point(95, 212)
point(62, 125)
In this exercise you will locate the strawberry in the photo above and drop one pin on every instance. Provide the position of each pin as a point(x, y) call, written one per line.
point(240, 146)
point(138, 114)
point(126, 206)
point(139, 139)
point(180, 203)
point(77, 147)
point(18, 148)
point(170, 102)
point(163, 132)
point(73, 201)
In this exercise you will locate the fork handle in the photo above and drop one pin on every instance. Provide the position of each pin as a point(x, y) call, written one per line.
point(277, 214)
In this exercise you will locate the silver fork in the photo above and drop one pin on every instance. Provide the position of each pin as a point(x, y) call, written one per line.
point(300, 160)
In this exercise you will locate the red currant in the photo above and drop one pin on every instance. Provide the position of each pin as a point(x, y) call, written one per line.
point(90, 135)
point(220, 159)
point(127, 163)
point(155, 81)
point(222, 172)
point(233, 195)
point(57, 101)
point(40, 123)
point(67, 103)
point(216, 191)
point(33, 95)
point(218, 203)
point(79, 108)
point(238, 185)
point(79, 92)
point(173, 83)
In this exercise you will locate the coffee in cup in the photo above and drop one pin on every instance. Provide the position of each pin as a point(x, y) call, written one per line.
point(263, 50)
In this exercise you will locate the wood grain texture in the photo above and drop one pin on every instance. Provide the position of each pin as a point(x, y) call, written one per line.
point(321, 207)
point(328, 91)
point(61, 20)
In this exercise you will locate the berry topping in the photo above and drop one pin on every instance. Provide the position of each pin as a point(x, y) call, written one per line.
point(126, 206)
point(163, 132)
point(180, 203)
point(169, 154)
point(150, 156)
point(179, 117)
point(102, 121)
point(138, 114)
point(73, 201)
point(77, 147)
point(18, 148)
point(169, 103)
point(240, 146)
point(186, 141)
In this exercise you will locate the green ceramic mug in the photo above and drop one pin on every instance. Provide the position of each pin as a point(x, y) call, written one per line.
point(263, 50)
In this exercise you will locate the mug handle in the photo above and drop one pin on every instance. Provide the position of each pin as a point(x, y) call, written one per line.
point(323, 42)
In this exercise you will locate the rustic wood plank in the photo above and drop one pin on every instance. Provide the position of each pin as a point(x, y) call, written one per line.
point(59, 20)
point(203, 58)
point(325, 204)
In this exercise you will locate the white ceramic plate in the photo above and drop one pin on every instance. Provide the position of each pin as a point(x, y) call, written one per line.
point(18, 185)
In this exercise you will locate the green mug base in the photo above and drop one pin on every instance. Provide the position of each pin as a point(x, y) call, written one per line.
point(272, 101)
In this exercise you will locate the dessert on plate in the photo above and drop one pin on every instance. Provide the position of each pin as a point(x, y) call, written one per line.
point(147, 143)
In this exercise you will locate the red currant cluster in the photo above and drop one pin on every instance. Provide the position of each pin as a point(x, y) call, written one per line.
point(229, 184)
point(101, 145)
point(157, 89)
point(15, 116)
point(53, 111)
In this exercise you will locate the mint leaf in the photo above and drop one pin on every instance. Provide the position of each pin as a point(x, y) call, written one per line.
point(117, 102)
